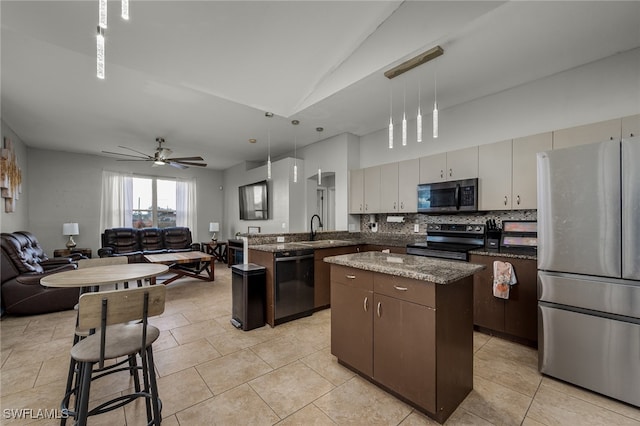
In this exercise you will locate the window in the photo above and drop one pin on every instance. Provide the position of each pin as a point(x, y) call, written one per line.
point(154, 202)
point(140, 201)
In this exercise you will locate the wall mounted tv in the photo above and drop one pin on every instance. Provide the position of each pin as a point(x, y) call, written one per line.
point(254, 201)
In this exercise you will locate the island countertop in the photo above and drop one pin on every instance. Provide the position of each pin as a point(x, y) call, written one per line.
point(431, 269)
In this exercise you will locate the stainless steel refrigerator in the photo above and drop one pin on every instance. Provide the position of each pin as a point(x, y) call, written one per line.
point(589, 267)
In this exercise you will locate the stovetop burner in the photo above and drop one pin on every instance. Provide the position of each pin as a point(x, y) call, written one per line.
point(449, 241)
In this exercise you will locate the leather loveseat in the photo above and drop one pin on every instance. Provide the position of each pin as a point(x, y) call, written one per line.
point(24, 263)
point(135, 243)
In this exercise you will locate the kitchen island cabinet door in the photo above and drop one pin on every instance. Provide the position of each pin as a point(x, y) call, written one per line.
point(404, 349)
point(352, 326)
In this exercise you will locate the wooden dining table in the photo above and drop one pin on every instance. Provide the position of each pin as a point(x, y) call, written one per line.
point(104, 275)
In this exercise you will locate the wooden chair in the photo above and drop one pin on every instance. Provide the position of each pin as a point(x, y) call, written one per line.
point(101, 311)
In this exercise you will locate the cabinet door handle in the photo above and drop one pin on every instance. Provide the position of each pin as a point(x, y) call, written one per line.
point(518, 200)
point(505, 200)
point(379, 309)
point(360, 207)
point(402, 205)
point(394, 205)
point(400, 288)
point(366, 207)
point(366, 304)
point(351, 277)
point(450, 172)
point(441, 173)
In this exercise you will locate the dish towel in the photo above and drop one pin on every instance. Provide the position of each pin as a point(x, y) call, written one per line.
point(503, 278)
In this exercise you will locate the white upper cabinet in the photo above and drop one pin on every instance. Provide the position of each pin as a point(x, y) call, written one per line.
point(432, 168)
point(408, 177)
point(631, 126)
point(524, 176)
point(462, 164)
point(589, 133)
point(372, 189)
point(389, 188)
point(356, 191)
point(494, 176)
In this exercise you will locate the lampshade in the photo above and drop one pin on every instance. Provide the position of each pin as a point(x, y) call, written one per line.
point(214, 227)
point(70, 229)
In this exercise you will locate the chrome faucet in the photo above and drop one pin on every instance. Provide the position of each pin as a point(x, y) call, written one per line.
point(313, 233)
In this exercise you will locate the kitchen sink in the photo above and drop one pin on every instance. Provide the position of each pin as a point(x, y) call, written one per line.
point(323, 243)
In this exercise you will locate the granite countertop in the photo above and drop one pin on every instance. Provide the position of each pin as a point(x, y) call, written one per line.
point(431, 269)
point(504, 253)
point(301, 245)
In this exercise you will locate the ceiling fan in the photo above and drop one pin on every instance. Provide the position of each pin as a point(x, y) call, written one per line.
point(160, 157)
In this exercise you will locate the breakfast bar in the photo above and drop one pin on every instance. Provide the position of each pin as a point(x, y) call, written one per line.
point(406, 324)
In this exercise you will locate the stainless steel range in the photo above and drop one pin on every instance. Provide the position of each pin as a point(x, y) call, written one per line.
point(449, 241)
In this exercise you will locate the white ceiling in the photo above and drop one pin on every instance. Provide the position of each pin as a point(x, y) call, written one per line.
point(201, 74)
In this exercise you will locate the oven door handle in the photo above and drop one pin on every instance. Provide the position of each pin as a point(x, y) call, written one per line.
point(457, 196)
point(293, 258)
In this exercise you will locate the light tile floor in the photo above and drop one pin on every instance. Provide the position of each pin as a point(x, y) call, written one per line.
point(211, 373)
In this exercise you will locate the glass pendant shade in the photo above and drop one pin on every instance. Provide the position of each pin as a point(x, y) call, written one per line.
point(100, 53)
point(390, 133)
point(102, 13)
point(404, 129)
point(419, 126)
point(435, 120)
point(269, 167)
point(319, 176)
point(125, 10)
point(295, 173)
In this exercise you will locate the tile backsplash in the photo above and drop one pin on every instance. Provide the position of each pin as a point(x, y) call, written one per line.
point(407, 227)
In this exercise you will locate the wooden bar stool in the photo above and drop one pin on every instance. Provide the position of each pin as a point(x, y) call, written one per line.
point(102, 311)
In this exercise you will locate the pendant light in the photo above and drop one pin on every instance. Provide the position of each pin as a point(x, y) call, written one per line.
point(295, 148)
point(404, 117)
point(419, 118)
point(268, 115)
point(100, 53)
point(319, 129)
point(435, 106)
point(102, 13)
point(125, 10)
point(391, 117)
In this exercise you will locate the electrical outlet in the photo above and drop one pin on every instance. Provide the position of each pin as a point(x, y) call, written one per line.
point(284, 225)
point(416, 227)
point(280, 240)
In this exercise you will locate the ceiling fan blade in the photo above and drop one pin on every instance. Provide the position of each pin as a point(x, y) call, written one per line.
point(131, 149)
point(141, 159)
point(146, 157)
point(185, 159)
point(189, 163)
point(176, 165)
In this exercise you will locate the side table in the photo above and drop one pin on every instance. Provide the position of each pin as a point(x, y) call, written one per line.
point(217, 249)
point(66, 252)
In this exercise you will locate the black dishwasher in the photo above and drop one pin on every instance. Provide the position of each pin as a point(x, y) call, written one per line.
point(293, 285)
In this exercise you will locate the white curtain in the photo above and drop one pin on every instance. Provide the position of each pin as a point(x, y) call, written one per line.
point(116, 208)
point(186, 204)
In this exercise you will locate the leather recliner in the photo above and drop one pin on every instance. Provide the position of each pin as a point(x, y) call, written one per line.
point(24, 263)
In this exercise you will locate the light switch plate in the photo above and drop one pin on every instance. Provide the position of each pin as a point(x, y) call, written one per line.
point(280, 240)
point(416, 227)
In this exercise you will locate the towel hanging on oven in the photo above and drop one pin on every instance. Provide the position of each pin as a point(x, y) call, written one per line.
point(503, 277)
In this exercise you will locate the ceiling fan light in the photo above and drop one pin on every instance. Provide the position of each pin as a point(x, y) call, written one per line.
point(159, 163)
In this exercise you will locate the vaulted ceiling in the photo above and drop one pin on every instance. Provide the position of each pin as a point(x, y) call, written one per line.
point(202, 74)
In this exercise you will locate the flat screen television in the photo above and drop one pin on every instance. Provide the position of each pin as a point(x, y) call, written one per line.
point(254, 201)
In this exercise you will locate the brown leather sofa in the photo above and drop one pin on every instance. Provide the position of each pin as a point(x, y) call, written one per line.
point(135, 243)
point(24, 263)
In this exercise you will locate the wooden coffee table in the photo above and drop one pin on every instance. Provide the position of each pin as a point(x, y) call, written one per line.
point(178, 264)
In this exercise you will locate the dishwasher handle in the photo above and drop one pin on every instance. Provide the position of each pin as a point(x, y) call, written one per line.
point(293, 258)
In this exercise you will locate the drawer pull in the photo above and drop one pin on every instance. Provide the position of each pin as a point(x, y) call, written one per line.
point(351, 277)
point(400, 288)
point(366, 304)
point(379, 308)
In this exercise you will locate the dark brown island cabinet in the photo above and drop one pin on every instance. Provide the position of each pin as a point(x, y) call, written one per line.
point(515, 318)
point(413, 338)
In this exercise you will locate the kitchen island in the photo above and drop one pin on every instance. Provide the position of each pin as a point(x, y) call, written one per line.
point(406, 324)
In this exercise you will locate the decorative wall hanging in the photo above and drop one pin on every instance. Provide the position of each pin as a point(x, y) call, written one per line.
point(10, 176)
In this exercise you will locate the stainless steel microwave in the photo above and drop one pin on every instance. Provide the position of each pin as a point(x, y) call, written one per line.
point(448, 197)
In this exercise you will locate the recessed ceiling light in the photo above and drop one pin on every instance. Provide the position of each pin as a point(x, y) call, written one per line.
point(253, 140)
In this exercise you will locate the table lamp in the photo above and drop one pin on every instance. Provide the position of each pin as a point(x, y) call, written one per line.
point(214, 227)
point(70, 229)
